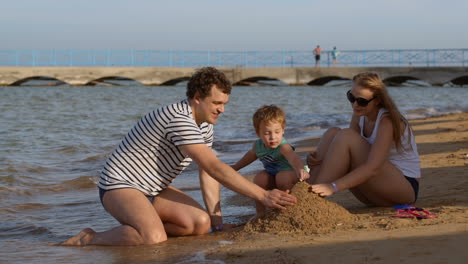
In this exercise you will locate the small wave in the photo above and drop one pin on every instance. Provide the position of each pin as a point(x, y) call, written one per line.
point(11, 229)
point(31, 206)
point(69, 149)
point(82, 182)
point(93, 158)
point(433, 112)
point(28, 189)
point(12, 169)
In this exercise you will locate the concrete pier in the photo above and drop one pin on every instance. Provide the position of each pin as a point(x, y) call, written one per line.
point(78, 76)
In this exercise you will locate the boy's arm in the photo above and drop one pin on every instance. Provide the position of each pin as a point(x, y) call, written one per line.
point(294, 160)
point(224, 174)
point(248, 158)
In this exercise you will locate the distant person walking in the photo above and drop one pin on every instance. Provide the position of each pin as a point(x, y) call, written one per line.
point(317, 52)
point(335, 54)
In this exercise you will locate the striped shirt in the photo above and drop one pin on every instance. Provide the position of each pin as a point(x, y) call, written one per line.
point(149, 157)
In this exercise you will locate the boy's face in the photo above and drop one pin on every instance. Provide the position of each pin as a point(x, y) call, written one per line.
point(270, 133)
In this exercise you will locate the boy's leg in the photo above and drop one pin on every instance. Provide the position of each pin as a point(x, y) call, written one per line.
point(267, 182)
point(285, 180)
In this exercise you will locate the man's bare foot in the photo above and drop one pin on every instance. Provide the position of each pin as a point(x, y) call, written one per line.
point(82, 239)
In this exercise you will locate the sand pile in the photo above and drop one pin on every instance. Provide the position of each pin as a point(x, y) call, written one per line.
point(312, 214)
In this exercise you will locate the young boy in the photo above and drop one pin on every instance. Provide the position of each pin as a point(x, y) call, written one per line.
point(283, 167)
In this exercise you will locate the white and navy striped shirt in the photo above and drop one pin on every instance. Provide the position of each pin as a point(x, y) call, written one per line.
point(149, 157)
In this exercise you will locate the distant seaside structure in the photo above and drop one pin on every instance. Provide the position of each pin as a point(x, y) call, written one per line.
point(244, 59)
point(436, 67)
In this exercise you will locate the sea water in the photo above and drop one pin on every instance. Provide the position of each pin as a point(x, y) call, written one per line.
point(54, 141)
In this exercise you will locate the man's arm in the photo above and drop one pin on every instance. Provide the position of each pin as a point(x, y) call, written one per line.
point(211, 196)
point(223, 173)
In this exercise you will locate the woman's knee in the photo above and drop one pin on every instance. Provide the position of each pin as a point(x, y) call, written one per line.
point(348, 135)
point(331, 132)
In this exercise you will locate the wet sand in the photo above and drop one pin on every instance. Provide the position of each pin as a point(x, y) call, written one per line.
point(372, 235)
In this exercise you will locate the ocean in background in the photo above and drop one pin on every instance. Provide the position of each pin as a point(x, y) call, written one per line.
point(54, 141)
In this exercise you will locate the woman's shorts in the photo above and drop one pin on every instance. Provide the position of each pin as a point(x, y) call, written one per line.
point(415, 184)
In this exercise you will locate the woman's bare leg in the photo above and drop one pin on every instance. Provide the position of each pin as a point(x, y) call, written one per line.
point(321, 150)
point(349, 150)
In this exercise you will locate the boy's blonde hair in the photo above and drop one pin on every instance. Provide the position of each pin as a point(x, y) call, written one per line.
point(267, 114)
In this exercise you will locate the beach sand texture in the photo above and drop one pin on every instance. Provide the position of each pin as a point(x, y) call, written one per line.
point(369, 234)
point(312, 214)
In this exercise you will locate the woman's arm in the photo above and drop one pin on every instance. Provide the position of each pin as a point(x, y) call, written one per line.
point(354, 123)
point(295, 161)
point(248, 158)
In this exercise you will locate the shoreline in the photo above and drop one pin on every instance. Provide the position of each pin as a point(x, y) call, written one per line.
point(443, 147)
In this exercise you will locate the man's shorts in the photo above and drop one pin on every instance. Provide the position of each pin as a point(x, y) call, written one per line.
point(102, 192)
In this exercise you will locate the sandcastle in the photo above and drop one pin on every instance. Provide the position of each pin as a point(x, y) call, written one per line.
point(312, 214)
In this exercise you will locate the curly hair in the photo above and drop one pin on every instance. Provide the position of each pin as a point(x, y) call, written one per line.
point(203, 79)
point(267, 114)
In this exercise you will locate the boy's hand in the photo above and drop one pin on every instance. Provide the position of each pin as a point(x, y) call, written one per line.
point(312, 159)
point(303, 175)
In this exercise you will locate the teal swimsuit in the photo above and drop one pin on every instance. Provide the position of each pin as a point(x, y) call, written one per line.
point(272, 160)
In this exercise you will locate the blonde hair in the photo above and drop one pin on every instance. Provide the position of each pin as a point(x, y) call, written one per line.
point(372, 81)
point(267, 114)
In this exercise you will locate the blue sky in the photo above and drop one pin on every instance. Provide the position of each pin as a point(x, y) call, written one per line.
point(233, 25)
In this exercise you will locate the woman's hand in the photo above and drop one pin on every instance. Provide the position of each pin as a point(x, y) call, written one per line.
point(324, 189)
point(312, 159)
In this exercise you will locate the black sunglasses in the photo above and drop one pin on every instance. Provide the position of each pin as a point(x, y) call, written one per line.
point(360, 101)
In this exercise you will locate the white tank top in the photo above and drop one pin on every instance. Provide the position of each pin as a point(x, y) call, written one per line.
point(408, 158)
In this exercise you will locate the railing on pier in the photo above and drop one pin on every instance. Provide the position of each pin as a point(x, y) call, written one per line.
point(246, 59)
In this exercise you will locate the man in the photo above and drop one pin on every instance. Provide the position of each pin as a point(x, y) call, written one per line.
point(134, 186)
point(317, 52)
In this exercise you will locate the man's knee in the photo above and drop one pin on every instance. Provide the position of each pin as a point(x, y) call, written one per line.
point(153, 236)
point(202, 224)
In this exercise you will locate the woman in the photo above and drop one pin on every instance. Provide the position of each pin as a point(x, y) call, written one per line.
point(376, 158)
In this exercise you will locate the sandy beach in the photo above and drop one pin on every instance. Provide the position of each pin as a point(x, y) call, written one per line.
point(375, 237)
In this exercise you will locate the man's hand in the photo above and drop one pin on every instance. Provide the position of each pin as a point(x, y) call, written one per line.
point(278, 199)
